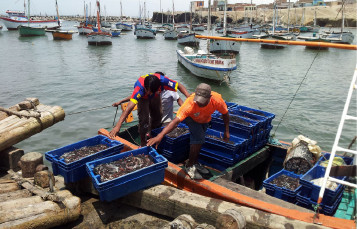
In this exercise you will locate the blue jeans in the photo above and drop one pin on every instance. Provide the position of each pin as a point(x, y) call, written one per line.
point(197, 131)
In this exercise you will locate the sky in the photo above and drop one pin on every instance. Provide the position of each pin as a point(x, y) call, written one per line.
point(111, 7)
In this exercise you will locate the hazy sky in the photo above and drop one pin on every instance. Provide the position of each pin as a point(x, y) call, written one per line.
point(112, 7)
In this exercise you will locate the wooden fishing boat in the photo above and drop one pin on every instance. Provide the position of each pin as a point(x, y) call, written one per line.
point(62, 35)
point(220, 185)
point(100, 37)
point(26, 31)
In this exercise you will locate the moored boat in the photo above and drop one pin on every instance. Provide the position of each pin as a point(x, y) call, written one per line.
point(188, 39)
point(124, 26)
point(205, 65)
point(61, 35)
point(100, 37)
point(18, 18)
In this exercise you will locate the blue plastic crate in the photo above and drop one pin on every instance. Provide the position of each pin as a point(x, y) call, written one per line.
point(310, 190)
point(75, 171)
point(281, 192)
point(228, 150)
point(262, 121)
point(252, 126)
point(231, 104)
point(175, 157)
point(212, 159)
point(326, 156)
point(325, 209)
point(269, 115)
point(168, 143)
point(131, 182)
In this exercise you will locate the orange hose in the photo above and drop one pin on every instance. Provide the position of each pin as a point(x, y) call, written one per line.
point(285, 42)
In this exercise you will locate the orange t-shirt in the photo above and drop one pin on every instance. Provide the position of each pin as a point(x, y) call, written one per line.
point(202, 114)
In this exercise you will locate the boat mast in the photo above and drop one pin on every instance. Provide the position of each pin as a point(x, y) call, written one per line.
point(28, 13)
point(225, 19)
point(274, 19)
point(162, 14)
point(173, 14)
point(190, 17)
point(98, 16)
point(58, 19)
point(209, 17)
point(251, 12)
point(121, 11)
point(289, 17)
point(343, 17)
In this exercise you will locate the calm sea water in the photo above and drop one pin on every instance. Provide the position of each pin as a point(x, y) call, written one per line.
point(79, 77)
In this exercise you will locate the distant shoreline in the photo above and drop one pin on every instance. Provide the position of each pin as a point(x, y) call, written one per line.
point(326, 16)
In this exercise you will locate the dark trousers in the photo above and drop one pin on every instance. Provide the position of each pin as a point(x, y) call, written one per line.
point(150, 115)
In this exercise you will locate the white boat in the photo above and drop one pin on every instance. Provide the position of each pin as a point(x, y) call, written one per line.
point(18, 18)
point(85, 27)
point(198, 27)
point(171, 32)
point(206, 65)
point(100, 37)
point(338, 37)
point(183, 28)
point(188, 39)
point(341, 37)
point(124, 26)
point(142, 32)
point(170, 35)
point(224, 46)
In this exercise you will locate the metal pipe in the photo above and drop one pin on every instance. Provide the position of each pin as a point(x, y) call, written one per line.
point(285, 42)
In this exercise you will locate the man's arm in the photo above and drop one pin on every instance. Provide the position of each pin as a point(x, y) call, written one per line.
point(183, 90)
point(179, 101)
point(156, 140)
point(121, 101)
point(226, 125)
point(123, 116)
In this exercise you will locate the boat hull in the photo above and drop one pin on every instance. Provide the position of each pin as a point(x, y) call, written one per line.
point(144, 33)
point(224, 46)
point(84, 30)
point(340, 38)
point(99, 39)
point(61, 35)
point(202, 68)
point(26, 31)
point(124, 27)
point(12, 24)
point(188, 40)
point(170, 35)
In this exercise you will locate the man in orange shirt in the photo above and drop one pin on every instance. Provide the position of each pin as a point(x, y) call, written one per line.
point(196, 111)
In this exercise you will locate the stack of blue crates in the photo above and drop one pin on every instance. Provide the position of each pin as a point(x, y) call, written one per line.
point(174, 149)
point(282, 192)
point(257, 132)
point(131, 182)
point(309, 193)
point(76, 170)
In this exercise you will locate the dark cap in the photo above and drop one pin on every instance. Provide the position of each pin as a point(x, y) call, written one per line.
point(202, 93)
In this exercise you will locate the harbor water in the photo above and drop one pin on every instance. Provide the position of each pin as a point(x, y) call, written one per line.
point(306, 89)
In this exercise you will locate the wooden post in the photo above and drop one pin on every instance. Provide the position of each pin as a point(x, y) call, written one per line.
point(29, 162)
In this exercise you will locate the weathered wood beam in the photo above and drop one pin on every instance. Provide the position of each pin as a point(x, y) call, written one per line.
point(173, 202)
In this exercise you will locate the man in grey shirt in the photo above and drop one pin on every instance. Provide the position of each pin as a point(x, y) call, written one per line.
point(167, 101)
